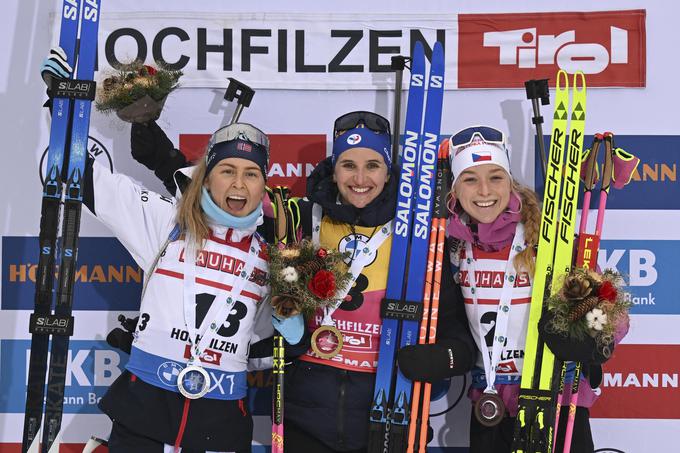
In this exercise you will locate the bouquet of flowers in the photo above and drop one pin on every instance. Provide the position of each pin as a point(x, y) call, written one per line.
point(304, 277)
point(136, 92)
point(589, 304)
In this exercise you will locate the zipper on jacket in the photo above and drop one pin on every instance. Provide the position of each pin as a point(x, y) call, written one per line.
point(341, 408)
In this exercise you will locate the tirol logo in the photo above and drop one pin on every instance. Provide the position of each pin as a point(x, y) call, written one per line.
point(641, 381)
point(91, 367)
point(292, 157)
point(354, 139)
point(95, 149)
point(504, 50)
point(649, 270)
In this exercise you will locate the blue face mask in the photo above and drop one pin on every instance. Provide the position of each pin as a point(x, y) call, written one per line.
point(220, 217)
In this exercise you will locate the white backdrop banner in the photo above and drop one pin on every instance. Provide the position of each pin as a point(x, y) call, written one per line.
point(313, 51)
point(310, 64)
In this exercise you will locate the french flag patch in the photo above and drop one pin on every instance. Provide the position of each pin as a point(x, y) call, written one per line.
point(481, 157)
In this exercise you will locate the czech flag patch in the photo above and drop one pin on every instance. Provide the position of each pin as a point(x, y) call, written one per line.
point(481, 157)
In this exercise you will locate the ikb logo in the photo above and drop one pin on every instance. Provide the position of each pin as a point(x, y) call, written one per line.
point(504, 50)
point(649, 270)
point(525, 48)
point(91, 367)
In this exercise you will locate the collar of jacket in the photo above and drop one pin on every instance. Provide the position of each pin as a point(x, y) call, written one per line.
point(322, 190)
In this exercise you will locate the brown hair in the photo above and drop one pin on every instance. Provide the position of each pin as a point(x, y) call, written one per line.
point(190, 216)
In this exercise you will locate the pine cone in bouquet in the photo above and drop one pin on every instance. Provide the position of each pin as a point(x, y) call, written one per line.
point(576, 287)
point(137, 92)
point(285, 306)
point(304, 277)
point(580, 308)
point(588, 305)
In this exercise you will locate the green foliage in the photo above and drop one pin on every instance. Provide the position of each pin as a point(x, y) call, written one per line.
point(132, 82)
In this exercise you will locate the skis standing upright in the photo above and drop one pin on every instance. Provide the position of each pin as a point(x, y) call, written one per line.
point(420, 408)
point(71, 112)
point(402, 307)
point(535, 419)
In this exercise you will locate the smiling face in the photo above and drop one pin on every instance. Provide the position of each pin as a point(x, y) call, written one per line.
point(483, 192)
point(360, 174)
point(236, 185)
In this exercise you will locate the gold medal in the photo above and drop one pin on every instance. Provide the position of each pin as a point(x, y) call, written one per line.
point(327, 342)
point(489, 409)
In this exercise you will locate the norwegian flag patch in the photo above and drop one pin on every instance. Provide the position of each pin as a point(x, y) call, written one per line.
point(243, 146)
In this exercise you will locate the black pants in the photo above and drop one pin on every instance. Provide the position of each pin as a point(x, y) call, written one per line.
point(296, 440)
point(122, 440)
point(498, 439)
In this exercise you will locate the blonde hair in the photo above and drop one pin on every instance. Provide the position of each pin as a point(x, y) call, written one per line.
point(190, 217)
point(530, 216)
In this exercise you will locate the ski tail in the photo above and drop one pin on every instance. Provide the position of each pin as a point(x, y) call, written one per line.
point(49, 228)
point(379, 417)
point(536, 403)
point(420, 408)
point(83, 92)
point(415, 285)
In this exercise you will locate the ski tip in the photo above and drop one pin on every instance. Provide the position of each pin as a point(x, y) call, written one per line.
point(562, 80)
point(438, 48)
point(579, 81)
point(444, 148)
point(417, 49)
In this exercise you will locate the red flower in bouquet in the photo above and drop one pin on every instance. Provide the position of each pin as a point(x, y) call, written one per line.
point(321, 253)
point(150, 70)
point(322, 284)
point(607, 291)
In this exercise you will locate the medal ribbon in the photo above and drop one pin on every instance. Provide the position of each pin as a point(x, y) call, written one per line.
point(220, 308)
point(503, 313)
point(366, 255)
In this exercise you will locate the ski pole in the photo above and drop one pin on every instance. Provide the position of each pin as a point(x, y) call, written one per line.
point(589, 179)
point(285, 230)
point(242, 93)
point(538, 89)
point(604, 192)
point(443, 182)
point(398, 64)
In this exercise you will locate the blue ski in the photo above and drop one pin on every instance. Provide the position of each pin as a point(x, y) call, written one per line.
point(403, 301)
point(420, 240)
point(49, 221)
point(71, 111)
point(378, 439)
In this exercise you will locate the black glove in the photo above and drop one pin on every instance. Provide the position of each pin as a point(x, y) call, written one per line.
point(594, 375)
point(434, 362)
point(568, 349)
point(122, 338)
point(153, 149)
